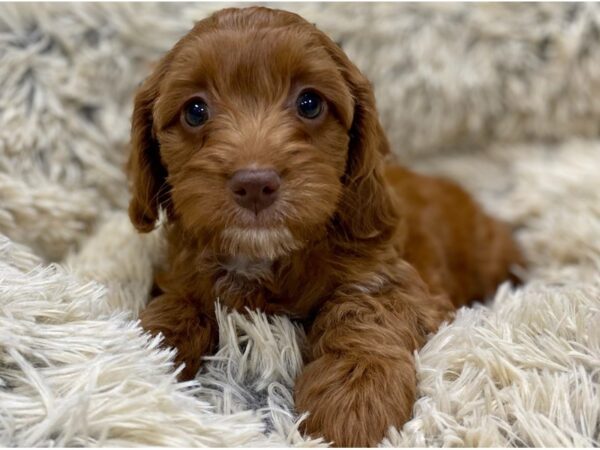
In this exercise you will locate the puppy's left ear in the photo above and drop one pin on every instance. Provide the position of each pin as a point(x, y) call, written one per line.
point(366, 210)
point(146, 172)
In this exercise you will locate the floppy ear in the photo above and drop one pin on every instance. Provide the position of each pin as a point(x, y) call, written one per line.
point(147, 175)
point(366, 210)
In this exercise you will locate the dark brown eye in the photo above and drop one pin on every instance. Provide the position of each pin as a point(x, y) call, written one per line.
point(195, 112)
point(309, 104)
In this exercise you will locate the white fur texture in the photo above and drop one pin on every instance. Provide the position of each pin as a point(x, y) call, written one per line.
point(502, 98)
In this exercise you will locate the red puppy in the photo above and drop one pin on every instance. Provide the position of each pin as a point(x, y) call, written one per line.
point(261, 141)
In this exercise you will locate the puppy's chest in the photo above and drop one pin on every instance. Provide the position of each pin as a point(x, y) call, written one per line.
point(241, 269)
point(258, 284)
point(242, 282)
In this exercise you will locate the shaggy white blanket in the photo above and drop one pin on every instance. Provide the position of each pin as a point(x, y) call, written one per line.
point(501, 98)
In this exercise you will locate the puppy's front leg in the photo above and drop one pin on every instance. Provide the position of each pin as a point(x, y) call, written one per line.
point(362, 379)
point(192, 332)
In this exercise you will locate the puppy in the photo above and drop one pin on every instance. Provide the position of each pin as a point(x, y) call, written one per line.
point(260, 141)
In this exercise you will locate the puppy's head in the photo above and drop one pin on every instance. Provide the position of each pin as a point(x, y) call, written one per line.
point(258, 135)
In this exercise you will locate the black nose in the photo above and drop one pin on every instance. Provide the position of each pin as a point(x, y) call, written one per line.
point(255, 189)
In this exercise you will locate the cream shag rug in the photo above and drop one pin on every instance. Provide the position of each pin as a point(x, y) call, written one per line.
point(503, 98)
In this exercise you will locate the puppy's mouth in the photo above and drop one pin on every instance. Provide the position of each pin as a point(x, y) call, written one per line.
point(263, 219)
point(270, 218)
point(259, 242)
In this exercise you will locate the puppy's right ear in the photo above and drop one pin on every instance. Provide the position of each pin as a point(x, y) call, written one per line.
point(147, 175)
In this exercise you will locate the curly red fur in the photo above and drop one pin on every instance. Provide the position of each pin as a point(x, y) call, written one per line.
point(371, 258)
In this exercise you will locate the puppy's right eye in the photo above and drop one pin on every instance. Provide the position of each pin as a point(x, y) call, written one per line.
point(195, 112)
point(309, 104)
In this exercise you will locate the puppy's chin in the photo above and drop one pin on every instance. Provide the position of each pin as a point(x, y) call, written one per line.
point(259, 243)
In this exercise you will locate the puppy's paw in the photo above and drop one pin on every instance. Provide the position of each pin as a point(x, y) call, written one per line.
point(183, 328)
point(353, 401)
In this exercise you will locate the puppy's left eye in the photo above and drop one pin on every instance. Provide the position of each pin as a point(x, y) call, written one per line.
point(195, 112)
point(309, 104)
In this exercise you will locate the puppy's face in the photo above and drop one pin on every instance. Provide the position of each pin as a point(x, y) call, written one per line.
point(251, 117)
